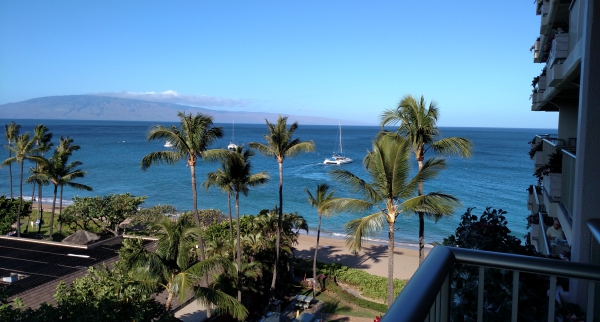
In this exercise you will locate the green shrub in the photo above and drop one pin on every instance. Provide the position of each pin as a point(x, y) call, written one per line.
point(371, 286)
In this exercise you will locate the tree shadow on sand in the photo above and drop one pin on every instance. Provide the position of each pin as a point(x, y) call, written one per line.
point(337, 254)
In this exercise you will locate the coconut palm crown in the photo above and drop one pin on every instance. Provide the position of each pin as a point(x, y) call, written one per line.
point(417, 123)
point(391, 191)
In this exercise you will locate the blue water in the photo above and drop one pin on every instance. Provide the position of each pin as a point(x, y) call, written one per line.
point(497, 174)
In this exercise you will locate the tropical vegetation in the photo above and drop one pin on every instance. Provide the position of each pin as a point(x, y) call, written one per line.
point(241, 179)
point(322, 201)
point(190, 142)
point(280, 143)
point(418, 124)
point(58, 171)
point(392, 192)
point(23, 150)
point(105, 213)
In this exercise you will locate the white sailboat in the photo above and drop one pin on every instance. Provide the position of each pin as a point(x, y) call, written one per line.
point(232, 146)
point(338, 158)
point(168, 144)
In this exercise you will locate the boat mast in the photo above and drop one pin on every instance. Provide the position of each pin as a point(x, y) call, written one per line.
point(341, 149)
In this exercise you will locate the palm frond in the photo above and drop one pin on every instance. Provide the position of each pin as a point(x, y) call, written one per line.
point(225, 303)
point(159, 157)
point(434, 205)
point(454, 145)
point(359, 228)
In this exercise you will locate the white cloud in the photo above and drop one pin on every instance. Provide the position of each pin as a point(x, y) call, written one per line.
point(171, 96)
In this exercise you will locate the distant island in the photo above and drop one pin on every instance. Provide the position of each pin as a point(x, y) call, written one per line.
point(105, 108)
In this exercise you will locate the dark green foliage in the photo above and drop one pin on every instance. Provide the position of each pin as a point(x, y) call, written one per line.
point(211, 216)
point(258, 238)
point(490, 233)
point(102, 295)
point(147, 216)
point(554, 165)
point(8, 212)
point(538, 147)
point(103, 212)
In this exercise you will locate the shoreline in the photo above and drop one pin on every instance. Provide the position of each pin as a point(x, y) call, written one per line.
point(373, 257)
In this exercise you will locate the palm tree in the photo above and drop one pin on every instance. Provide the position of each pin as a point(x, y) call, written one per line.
point(281, 144)
point(173, 269)
point(42, 142)
point(189, 143)
point(60, 172)
point(65, 146)
point(242, 179)
point(418, 125)
point(23, 150)
point(391, 191)
point(12, 131)
point(222, 179)
point(322, 201)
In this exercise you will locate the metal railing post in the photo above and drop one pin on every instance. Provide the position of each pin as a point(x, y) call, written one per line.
point(515, 296)
point(480, 294)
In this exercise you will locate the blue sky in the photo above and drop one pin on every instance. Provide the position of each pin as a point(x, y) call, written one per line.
point(347, 60)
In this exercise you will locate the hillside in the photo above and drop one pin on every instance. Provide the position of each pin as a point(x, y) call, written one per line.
point(93, 107)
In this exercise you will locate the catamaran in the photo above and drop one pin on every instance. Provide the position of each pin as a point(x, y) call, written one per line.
point(338, 157)
point(232, 146)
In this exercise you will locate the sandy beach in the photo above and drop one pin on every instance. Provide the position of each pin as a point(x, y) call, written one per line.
point(372, 258)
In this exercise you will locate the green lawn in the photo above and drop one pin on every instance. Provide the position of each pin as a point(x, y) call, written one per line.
point(46, 215)
point(335, 305)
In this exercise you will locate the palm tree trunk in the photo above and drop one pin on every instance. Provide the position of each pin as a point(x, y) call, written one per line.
point(315, 259)
point(169, 301)
point(421, 222)
point(390, 264)
point(60, 210)
point(239, 247)
point(40, 209)
point(53, 209)
point(197, 218)
point(29, 215)
point(20, 203)
point(10, 172)
point(230, 218)
point(279, 222)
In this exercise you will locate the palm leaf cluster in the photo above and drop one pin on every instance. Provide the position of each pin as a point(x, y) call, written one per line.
point(174, 268)
point(417, 123)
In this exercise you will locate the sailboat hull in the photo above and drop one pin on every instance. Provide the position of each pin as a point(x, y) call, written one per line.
point(337, 159)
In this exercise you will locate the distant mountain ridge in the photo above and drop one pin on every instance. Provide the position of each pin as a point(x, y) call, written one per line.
point(94, 107)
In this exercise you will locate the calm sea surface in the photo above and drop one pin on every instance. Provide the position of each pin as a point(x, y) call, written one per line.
point(497, 174)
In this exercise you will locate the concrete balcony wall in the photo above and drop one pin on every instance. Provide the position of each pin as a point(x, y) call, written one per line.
point(568, 180)
point(559, 50)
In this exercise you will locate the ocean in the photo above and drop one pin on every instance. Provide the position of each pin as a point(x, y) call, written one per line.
point(496, 175)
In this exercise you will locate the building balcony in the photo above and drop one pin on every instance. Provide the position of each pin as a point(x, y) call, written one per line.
point(429, 296)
